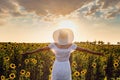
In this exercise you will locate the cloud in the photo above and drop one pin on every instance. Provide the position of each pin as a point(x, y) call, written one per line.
point(92, 10)
point(9, 7)
point(108, 3)
point(51, 8)
point(108, 8)
point(111, 15)
point(18, 8)
point(57, 7)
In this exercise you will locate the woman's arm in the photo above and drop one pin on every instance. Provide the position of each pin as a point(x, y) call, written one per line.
point(89, 51)
point(37, 50)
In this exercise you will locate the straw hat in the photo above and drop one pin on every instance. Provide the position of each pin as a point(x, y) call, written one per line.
point(63, 36)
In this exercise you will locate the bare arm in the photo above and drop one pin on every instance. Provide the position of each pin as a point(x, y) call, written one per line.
point(37, 50)
point(89, 51)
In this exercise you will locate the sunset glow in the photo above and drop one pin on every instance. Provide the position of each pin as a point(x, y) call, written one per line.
point(67, 24)
point(90, 20)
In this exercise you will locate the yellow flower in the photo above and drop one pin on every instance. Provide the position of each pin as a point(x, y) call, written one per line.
point(105, 78)
point(26, 61)
point(22, 72)
point(115, 65)
point(103, 59)
point(16, 46)
point(34, 61)
point(40, 66)
point(50, 69)
point(27, 74)
point(50, 77)
point(74, 64)
point(53, 58)
point(12, 76)
point(19, 65)
point(83, 72)
point(20, 52)
point(2, 77)
point(119, 57)
point(94, 65)
point(12, 65)
point(7, 58)
point(118, 78)
point(116, 61)
point(42, 62)
point(76, 73)
point(104, 67)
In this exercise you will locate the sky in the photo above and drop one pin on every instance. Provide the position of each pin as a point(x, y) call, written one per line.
point(36, 20)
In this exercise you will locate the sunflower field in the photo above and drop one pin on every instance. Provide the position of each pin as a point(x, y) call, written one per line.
point(38, 66)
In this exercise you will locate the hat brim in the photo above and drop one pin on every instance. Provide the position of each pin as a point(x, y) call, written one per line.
point(70, 37)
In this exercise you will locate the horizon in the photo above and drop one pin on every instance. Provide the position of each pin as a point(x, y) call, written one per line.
point(97, 42)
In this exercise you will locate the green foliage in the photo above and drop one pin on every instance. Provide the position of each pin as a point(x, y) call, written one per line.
point(14, 66)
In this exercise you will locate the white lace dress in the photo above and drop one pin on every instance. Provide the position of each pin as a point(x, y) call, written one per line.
point(61, 67)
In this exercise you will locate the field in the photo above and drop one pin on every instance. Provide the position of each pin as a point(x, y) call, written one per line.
point(38, 66)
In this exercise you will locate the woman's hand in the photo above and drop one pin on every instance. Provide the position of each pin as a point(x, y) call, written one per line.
point(35, 51)
point(89, 51)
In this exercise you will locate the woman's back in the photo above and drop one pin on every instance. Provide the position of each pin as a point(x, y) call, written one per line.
point(61, 67)
point(62, 54)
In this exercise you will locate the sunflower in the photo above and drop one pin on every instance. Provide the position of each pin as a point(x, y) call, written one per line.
point(50, 77)
point(12, 65)
point(40, 66)
point(27, 74)
point(19, 65)
point(119, 57)
point(76, 73)
point(115, 65)
point(2, 77)
point(118, 78)
point(16, 46)
point(12, 76)
point(50, 69)
point(74, 64)
point(20, 52)
point(106, 78)
point(53, 58)
point(42, 62)
point(27, 61)
point(104, 67)
point(22, 72)
point(83, 72)
point(51, 62)
point(1, 49)
point(94, 65)
point(116, 61)
point(103, 59)
point(34, 60)
point(7, 58)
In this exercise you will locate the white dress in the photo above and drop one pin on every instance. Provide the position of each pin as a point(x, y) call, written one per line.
point(61, 67)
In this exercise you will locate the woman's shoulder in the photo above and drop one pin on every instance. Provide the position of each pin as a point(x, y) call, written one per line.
point(51, 45)
point(73, 46)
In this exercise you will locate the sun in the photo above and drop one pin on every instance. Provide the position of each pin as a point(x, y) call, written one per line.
point(67, 24)
point(71, 24)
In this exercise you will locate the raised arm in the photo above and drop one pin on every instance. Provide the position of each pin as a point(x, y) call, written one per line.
point(37, 50)
point(89, 51)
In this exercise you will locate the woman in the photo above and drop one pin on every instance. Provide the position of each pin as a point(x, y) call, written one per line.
point(62, 47)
